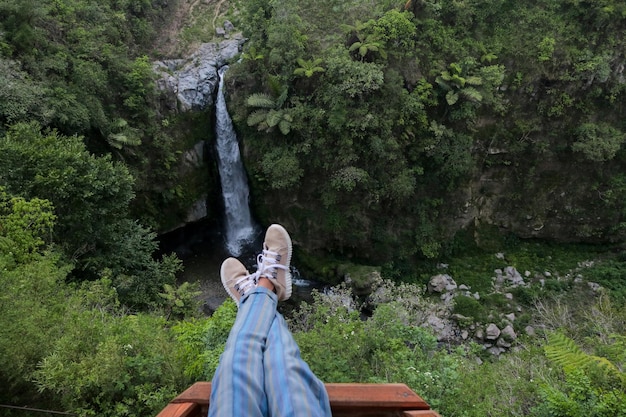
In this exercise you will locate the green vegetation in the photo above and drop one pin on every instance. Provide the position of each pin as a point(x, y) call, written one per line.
point(391, 112)
point(569, 379)
point(401, 135)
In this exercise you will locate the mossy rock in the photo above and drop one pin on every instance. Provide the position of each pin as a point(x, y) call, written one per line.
point(470, 307)
point(361, 278)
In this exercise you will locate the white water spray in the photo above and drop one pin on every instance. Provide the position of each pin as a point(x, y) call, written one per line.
point(240, 229)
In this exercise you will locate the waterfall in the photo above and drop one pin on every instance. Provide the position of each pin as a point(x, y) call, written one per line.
point(240, 229)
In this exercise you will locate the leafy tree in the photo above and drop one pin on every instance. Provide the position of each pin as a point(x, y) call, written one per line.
point(181, 301)
point(201, 341)
point(281, 168)
point(20, 97)
point(598, 142)
point(353, 78)
point(397, 31)
point(285, 38)
point(111, 365)
point(91, 197)
point(25, 226)
point(386, 347)
point(78, 350)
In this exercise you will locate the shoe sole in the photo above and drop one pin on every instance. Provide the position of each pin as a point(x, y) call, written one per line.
point(288, 283)
point(226, 286)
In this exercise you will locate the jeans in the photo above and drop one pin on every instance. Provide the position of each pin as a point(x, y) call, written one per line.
point(261, 372)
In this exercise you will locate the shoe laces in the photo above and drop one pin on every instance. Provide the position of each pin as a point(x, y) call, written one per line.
point(246, 283)
point(268, 263)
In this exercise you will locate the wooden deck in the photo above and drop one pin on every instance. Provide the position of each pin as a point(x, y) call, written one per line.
point(346, 400)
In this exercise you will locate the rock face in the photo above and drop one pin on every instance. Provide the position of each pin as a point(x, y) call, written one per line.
point(190, 83)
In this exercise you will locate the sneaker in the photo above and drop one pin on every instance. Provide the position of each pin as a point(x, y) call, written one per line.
point(275, 259)
point(236, 279)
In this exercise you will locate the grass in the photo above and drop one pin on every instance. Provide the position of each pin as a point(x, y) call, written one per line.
point(541, 259)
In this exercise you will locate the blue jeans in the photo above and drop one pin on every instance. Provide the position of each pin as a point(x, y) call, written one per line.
point(261, 372)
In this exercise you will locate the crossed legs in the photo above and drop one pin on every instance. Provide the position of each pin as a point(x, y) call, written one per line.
point(261, 372)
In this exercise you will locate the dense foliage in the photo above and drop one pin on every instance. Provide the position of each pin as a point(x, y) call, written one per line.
point(365, 126)
point(390, 125)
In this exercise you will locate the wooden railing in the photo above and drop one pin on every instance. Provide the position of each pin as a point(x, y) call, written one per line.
point(346, 400)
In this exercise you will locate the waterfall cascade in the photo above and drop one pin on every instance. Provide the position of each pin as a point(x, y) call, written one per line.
point(240, 228)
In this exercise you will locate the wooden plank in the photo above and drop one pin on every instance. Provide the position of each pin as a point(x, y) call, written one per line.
point(199, 393)
point(180, 410)
point(377, 396)
point(345, 400)
point(420, 413)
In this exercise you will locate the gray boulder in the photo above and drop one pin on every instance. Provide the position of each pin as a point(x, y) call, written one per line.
point(508, 333)
point(440, 283)
point(190, 84)
point(492, 332)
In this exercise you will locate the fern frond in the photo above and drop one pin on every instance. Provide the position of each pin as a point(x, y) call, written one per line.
point(275, 84)
point(284, 126)
point(452, 98)
point(474, 80)
point(273, 117)
point(282, 98)
point(256, 117)
point(119, 123)
point(260, 100)
point(119, 140)
point(566, 353)
point(354, 46)
point(472, 94)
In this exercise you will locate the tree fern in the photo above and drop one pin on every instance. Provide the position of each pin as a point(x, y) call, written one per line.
point(474, 80)
point(366, 44)
point(269, 111)
point(252, 54)
point(564, 352)
point(308, 67)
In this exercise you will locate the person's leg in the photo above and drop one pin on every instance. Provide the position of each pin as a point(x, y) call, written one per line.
point(291, 387)
point(238, 384)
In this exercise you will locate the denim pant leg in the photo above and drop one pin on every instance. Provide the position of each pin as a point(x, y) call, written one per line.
point(291, 387)
point(238, 383)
